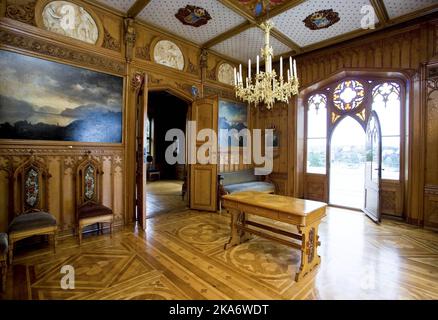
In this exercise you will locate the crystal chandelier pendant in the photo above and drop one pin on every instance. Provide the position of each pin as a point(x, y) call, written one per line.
point(265, 87)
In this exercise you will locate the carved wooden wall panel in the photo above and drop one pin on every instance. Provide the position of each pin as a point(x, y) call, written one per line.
point(431, 206)
point(391, 50)
point(431, 177)
point(391, 198)
point(432, 129)
point(315, 187)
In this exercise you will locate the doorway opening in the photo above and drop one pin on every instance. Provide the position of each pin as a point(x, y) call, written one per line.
point(347, 164)
point(165, 183)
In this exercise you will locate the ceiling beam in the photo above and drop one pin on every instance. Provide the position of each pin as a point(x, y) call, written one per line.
point(257, 21)
point(137, 7)
point(285, 40)
point(229, 34)
point(279, 10)
point(230, 4)
point(381, 12)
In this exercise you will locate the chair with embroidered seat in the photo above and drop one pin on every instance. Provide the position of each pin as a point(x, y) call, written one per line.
point(29, 187)
point(89, 209)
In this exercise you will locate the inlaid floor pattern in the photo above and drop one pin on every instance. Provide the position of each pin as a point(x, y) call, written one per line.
point(181, 256)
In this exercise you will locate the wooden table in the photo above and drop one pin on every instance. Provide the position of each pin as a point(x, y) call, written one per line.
point(306, 215)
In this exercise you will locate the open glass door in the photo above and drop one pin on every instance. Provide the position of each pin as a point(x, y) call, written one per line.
point(373, 168)
point(203, 177)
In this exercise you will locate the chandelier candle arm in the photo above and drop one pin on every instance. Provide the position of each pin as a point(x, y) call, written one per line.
point(267, 88)
point(295, 69)
point(281, 68)
point(249, 69)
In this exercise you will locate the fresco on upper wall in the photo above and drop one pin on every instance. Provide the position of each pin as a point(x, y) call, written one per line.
point(70, 20)
point(168, 54)
point(225, 74)
point(44, 100)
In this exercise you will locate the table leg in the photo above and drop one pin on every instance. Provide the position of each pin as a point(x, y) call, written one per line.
point(309, 250)
point(244, 236)
point(235, 233)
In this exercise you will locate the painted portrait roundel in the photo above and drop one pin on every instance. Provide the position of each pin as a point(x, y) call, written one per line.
point(168, 54)
point(70, 20)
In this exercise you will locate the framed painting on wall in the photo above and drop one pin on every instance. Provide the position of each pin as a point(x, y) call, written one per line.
point(45, 100)
point(232, 115)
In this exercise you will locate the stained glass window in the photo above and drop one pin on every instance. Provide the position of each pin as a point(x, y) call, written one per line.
point(348, 95)
point(386, 102)
point(317, 134)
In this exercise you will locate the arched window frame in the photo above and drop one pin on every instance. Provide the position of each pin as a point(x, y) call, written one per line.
point(369, 83)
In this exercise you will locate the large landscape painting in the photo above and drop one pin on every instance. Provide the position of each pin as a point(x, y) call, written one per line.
point(232, 115)
point(43, 100)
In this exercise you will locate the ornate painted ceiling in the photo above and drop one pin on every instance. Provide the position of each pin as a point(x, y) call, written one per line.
point(232, 27)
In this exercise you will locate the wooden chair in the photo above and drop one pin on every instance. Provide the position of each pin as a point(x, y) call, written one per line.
point(3, 259)
point(89, 209)
point(29, 187)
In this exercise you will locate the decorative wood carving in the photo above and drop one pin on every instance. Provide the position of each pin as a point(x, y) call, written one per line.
point(130, 37)
point(137, 81)
point(193, 69)
point(223, 93)
point(109, 42)
point(22, 12)
point(58, 51)
point(397, 51)
point(204, 59)
point(153, 80)
point(186, 87)
point(211, 74)
point(143, 53)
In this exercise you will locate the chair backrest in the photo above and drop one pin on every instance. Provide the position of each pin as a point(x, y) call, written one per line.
point(88, 181)
point(30, 187)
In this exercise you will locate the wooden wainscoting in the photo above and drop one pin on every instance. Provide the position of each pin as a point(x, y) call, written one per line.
point(62, 164)
point(431, 206)
point(315, 187)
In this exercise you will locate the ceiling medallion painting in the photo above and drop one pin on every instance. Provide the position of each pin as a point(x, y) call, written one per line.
point(259, 7)
point(193, 16)
point(321, 19)
point(70, 20)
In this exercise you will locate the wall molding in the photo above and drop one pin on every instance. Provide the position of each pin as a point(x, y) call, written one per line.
point(33, 44)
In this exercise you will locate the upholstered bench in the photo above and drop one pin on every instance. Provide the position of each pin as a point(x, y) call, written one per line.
point(3, 259)
point(244, 180)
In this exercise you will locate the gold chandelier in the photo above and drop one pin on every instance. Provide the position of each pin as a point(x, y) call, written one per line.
point(265, 88)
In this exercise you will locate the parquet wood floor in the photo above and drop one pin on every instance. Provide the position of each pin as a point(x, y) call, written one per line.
point(164, 196)
point(181, 256)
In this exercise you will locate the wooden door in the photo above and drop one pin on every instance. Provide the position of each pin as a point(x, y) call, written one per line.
point(142, 100)
point(203, 177)
point(373, 168)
